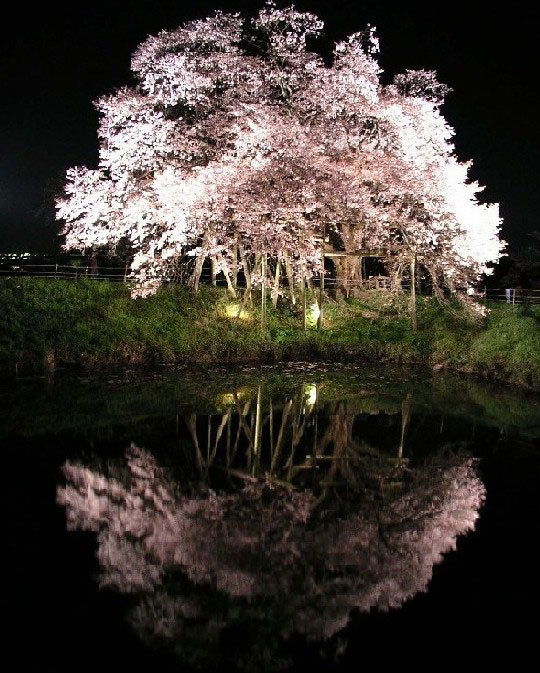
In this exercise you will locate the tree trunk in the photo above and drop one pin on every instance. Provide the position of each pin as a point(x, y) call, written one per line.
point(245, 268)
point(234, 266)
point(397, 276)
point(275, 291)
point(245, 298)
point(196, 277)
point(290, 277)
point(226, 273)
point(437, 291)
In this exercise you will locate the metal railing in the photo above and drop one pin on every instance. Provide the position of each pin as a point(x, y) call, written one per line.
point(120, 274)
point(114, 273)
point(512, 295)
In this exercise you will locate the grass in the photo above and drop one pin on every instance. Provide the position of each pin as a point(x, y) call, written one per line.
point(48, 323)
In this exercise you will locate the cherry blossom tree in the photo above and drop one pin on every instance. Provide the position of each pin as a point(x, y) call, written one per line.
point(240, 145)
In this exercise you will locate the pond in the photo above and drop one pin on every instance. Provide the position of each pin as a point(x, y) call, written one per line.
point(265, 519)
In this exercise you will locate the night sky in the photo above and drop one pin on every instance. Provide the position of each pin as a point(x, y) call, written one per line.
point(56, 61)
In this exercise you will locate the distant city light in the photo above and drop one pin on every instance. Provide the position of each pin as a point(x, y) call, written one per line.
point(15, 255)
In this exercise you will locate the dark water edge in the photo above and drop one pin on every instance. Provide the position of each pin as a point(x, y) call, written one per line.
point(497, 375)
point(59, 617)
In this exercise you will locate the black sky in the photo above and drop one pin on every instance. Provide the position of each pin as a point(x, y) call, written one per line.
point(55, 60)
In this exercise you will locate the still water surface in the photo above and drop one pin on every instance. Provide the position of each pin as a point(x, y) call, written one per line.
point(265, 519)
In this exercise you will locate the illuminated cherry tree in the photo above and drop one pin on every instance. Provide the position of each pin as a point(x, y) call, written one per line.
point(240, 145)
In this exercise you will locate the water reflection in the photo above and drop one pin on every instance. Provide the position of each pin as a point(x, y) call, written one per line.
point(276, 519)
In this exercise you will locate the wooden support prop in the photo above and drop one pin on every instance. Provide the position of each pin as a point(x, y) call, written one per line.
point(263, 292)
point(304, 304)
point(413, 293)
point(321, 284)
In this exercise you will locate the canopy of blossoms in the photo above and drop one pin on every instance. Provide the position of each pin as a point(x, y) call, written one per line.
point(238, 142)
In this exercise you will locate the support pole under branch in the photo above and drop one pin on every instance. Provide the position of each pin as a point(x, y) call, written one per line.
point(304, 303)
point(321, 283)
point(413, 293)
point(263, 292)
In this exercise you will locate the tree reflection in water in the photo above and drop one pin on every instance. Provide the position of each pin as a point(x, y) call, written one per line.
point(294, 523)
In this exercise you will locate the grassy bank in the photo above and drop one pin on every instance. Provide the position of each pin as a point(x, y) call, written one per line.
point(47, 323)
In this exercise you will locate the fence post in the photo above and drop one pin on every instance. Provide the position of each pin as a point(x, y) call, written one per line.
point(56, 270)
